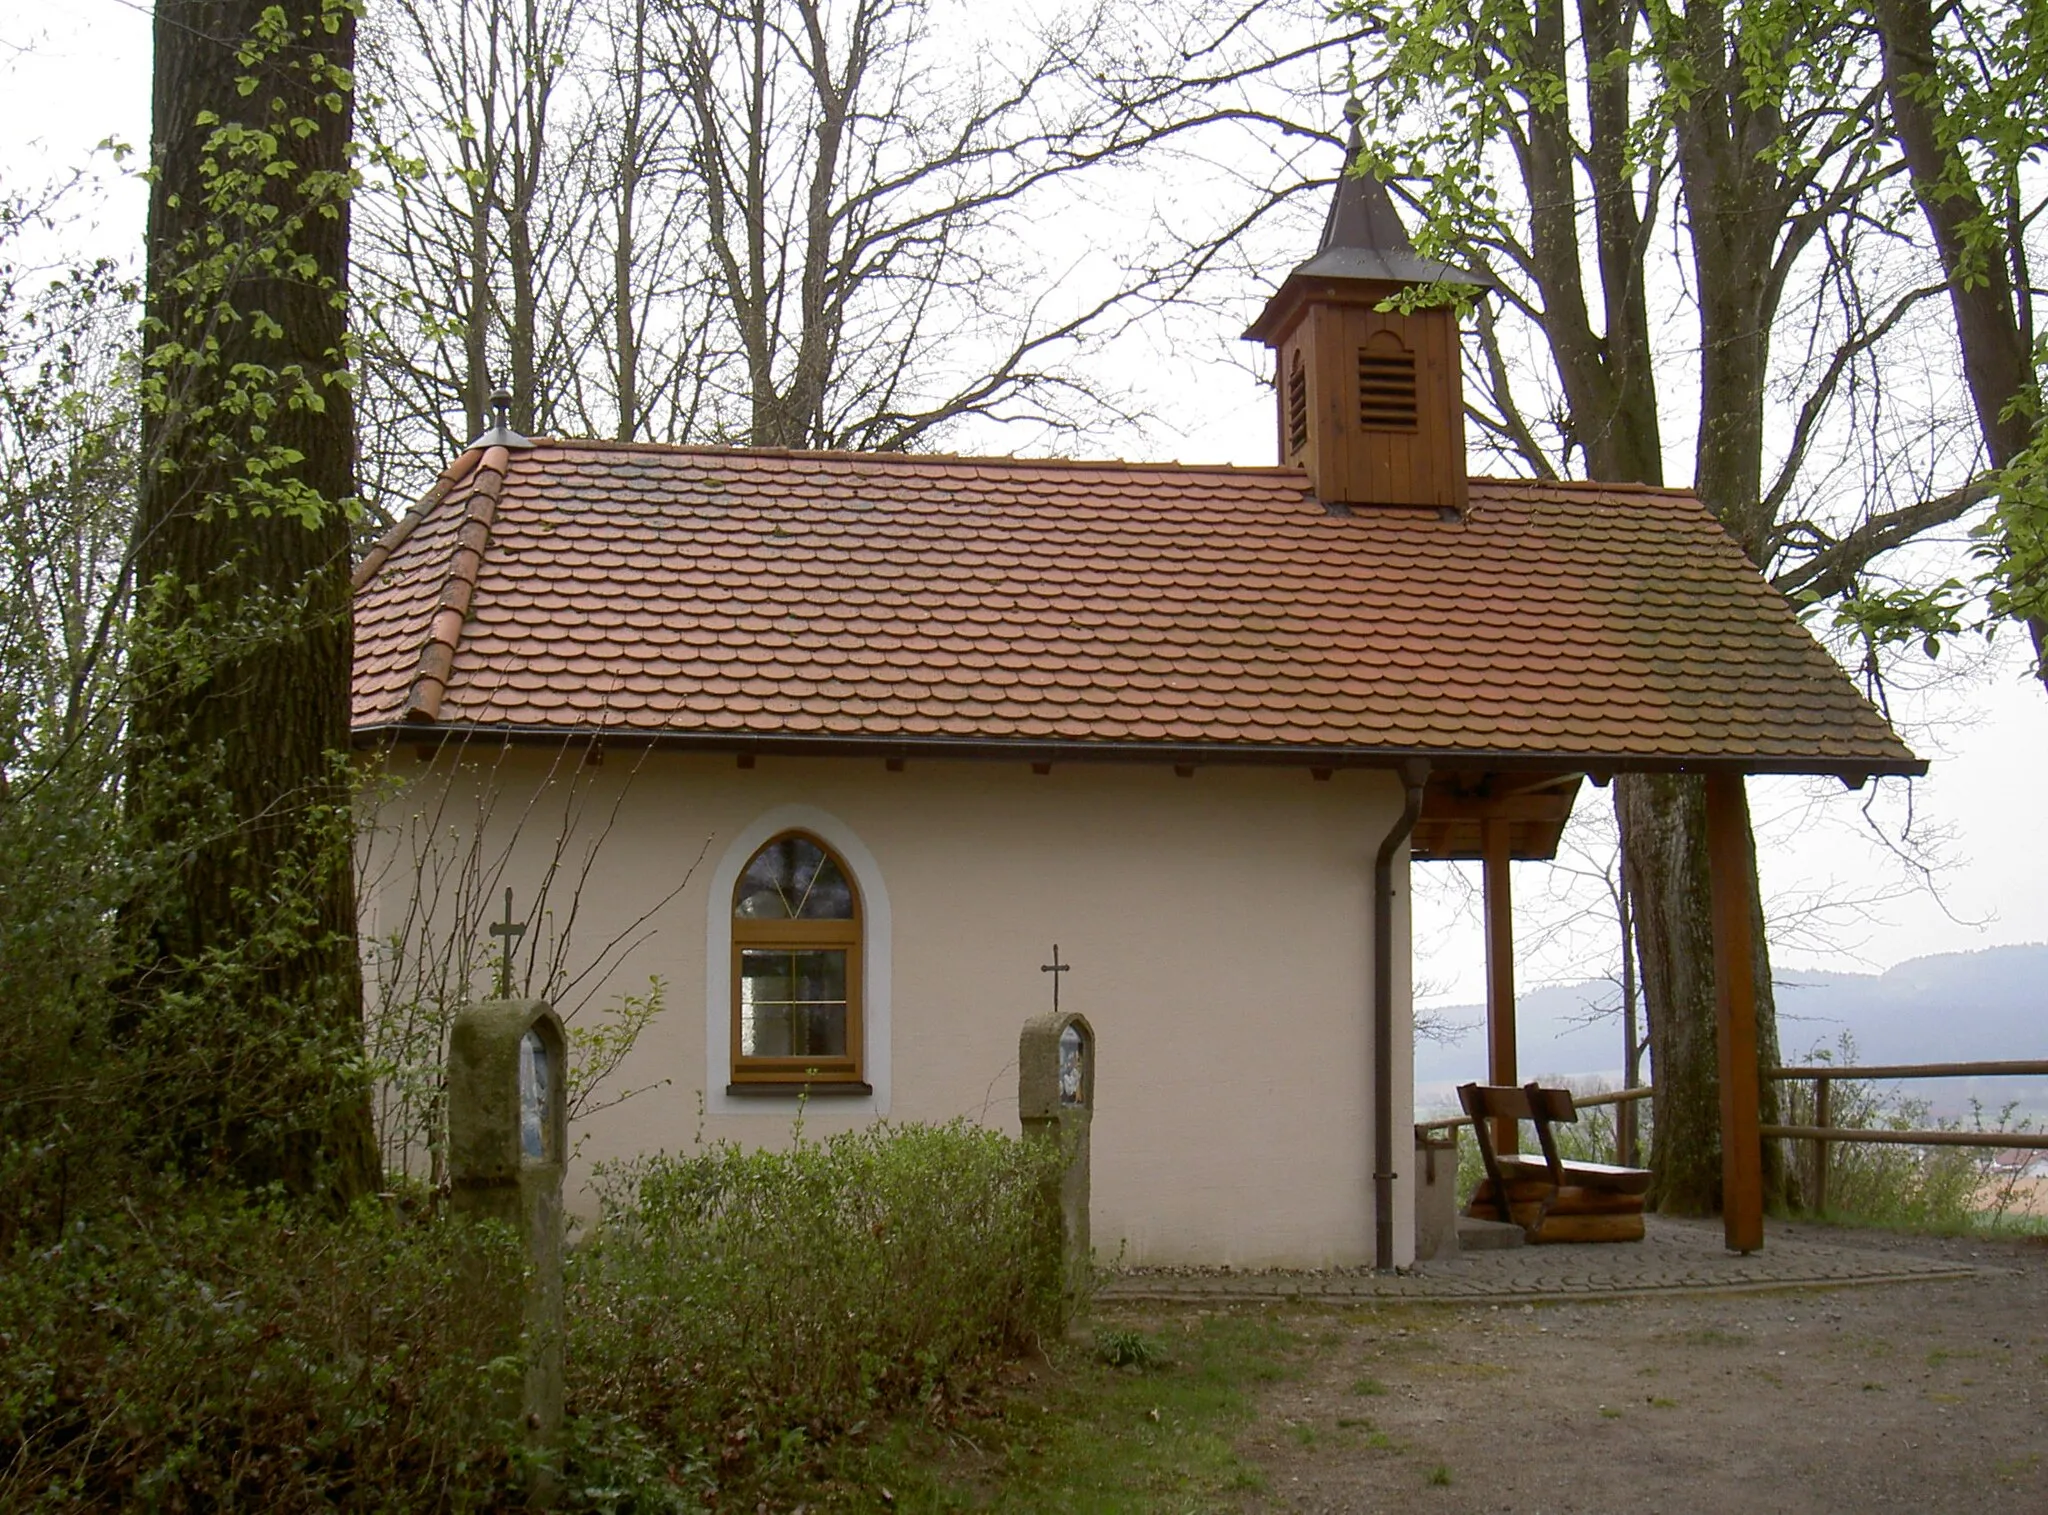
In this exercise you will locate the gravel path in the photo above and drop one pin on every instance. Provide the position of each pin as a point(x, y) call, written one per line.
point(1584, 1384)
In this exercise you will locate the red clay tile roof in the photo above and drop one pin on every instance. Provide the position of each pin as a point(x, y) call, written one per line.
point(733, 597)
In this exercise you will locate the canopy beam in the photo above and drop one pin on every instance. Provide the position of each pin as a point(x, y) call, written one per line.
point(1500, 971)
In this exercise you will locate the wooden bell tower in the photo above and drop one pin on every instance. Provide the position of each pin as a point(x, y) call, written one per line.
point(1371, 403)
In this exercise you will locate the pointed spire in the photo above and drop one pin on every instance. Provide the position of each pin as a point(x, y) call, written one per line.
point(1363, 237)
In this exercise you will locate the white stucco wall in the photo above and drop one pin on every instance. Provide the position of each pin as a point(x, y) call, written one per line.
point(1219, 928)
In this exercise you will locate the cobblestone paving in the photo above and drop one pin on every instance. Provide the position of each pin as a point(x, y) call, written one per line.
point(1675, 1257)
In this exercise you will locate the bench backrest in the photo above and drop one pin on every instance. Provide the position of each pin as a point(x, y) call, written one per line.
point(1539, 1106)
point(1530, 1102)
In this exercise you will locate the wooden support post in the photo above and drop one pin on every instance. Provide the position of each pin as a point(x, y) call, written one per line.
point(1821, 1115)
point(1500, 974)
point(1742, 1152)
point(1626, 1123)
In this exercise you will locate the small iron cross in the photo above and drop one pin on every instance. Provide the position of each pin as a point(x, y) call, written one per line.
point(511, 930)
point(1055, 968)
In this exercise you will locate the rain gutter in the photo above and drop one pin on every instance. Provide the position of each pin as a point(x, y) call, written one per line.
point(1414, 774)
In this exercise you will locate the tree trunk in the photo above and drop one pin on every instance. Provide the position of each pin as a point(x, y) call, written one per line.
point(1611, 386)
point(249, 996)
point(1664, 859)
point(1736, 212)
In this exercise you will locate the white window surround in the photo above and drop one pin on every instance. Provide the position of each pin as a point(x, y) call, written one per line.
point(875, 960)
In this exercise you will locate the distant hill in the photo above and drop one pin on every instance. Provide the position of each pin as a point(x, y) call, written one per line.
point(1951, 1008)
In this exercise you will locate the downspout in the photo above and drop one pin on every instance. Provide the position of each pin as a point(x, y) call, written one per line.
point(1414, 774)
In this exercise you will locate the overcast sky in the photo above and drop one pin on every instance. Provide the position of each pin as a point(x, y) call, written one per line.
point(75, 72)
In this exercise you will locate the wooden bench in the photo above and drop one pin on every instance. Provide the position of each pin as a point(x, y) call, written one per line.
point(1550, 1199)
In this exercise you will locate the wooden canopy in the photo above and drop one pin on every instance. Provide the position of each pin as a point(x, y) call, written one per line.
point(1495, 818)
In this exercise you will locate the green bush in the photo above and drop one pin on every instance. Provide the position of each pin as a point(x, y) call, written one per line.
point(731, 1313)
point(188, 1352)
point(746, 1304)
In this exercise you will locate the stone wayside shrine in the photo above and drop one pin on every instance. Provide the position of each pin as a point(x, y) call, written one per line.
point(507, 1143)
point(1056, 1103)
point(861, 733)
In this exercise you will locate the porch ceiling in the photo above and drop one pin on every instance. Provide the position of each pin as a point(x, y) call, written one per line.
point(1458, 804)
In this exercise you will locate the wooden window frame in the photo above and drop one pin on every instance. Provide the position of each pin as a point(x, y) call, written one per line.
point(750, 932)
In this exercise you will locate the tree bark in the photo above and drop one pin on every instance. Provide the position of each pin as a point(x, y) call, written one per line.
point(250, 988)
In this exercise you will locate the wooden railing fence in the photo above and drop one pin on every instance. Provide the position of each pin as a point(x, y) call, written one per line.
point(1821, 1134)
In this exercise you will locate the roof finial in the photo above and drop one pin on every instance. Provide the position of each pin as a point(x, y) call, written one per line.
point(501, 433)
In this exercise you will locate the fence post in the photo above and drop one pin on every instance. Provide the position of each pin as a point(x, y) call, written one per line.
point(1820, 1147)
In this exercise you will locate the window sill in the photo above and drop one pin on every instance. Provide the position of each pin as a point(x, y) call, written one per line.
point(784, 1088)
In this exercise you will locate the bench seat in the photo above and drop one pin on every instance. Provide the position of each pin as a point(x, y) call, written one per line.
point(1607, 1176)
point(1551, 1199)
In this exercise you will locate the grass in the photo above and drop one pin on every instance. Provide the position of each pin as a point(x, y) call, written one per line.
point(1074, 1433)
point(1713, 1336)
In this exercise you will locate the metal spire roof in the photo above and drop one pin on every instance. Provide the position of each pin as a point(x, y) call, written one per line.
point(1363, 237)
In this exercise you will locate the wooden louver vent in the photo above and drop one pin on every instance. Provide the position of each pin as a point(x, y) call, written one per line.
point(1297, 407)
point(1386, 385)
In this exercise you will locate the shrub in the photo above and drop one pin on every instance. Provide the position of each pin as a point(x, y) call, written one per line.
point(192, 1352)
point(746, 1303)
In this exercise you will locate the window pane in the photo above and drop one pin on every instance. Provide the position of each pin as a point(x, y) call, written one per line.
point(765, 976)
point(819, 975)
point(821, 1032)
point(793, 1003)
point(792, 878)
point(764, 1030)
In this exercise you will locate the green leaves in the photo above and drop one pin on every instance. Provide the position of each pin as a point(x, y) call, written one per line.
point(2011, 544)
point(1892, 617)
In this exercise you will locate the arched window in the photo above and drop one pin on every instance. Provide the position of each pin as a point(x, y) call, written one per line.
point(796, 938)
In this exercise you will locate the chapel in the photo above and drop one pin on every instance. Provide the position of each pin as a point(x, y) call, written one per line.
point(833, 750)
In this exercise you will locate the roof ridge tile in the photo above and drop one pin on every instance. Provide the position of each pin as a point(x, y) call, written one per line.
point(380, 551)
point(458, 590)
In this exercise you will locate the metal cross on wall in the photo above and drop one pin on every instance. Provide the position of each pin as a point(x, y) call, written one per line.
point(511, 930)
point(1055, 968)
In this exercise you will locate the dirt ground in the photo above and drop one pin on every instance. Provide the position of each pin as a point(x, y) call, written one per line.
point(1918, 1397)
